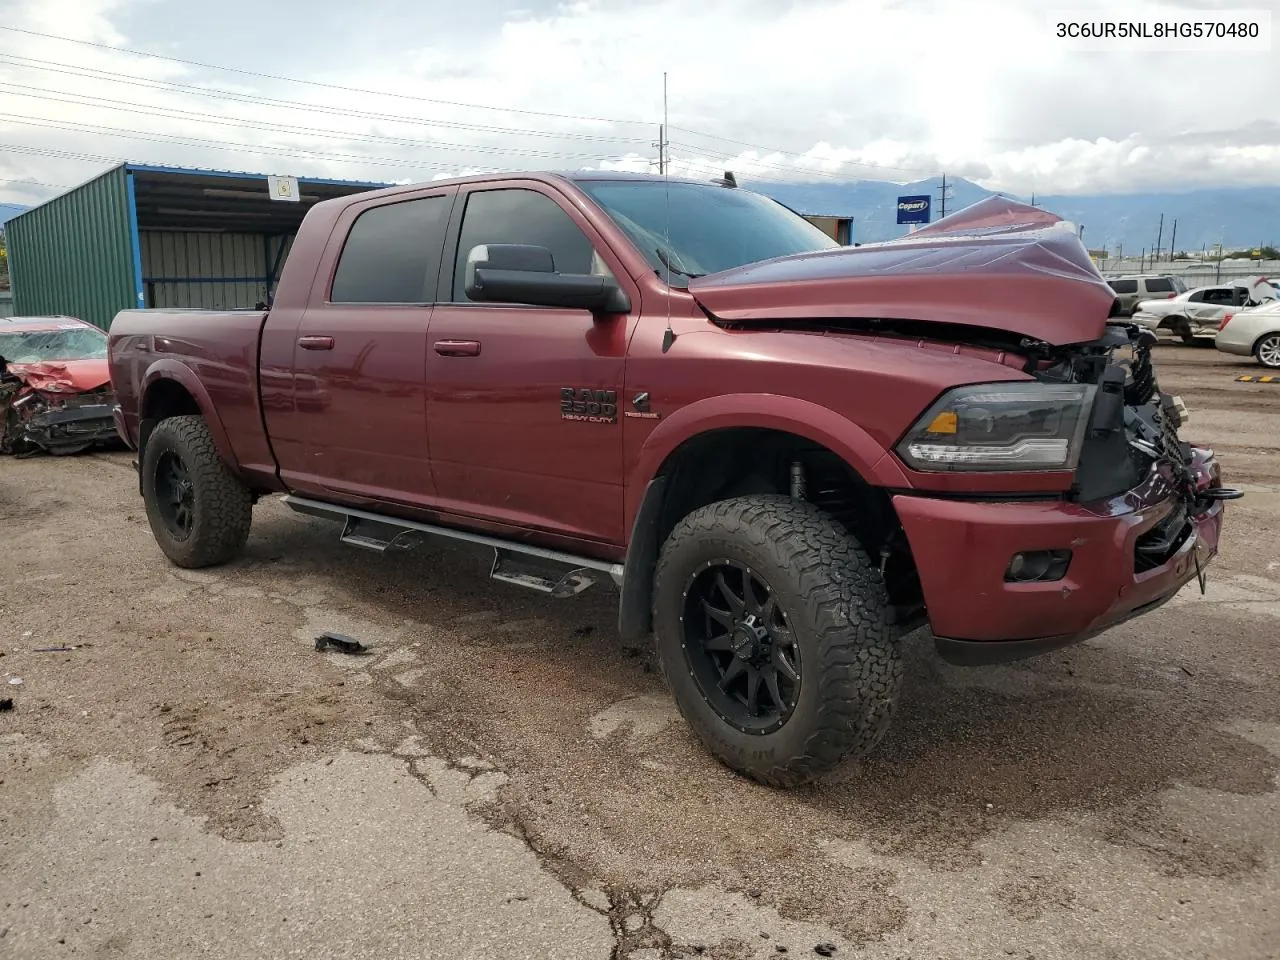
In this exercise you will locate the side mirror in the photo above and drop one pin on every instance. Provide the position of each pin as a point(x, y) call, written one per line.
point(523, 273)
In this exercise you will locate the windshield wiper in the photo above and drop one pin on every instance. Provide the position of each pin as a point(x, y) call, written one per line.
point(666, 262)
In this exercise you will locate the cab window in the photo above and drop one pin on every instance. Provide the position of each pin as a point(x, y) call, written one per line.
point(526, 217)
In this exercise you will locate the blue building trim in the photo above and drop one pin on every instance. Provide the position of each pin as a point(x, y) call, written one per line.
point(135, 241)
point(238, 175)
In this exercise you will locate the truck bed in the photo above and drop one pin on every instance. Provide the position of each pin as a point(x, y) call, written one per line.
point(214, 355)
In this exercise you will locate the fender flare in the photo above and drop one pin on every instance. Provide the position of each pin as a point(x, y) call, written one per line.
point(179, 372)
point(804, 418)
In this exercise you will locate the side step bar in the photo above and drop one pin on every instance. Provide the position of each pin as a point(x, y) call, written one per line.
point(537, 568)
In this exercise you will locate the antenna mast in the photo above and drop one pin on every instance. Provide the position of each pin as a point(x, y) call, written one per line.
point(668, 335)
point(662, 134)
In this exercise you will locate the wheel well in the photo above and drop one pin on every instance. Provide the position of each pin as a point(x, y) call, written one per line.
point(165, 398)
point(168, 398)
point(740, 461)
point(1261, 337)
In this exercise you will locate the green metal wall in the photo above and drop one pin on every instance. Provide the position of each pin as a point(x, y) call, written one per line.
point(74, 255)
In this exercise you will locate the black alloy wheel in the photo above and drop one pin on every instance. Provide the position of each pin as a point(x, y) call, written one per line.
point(175, 495)
point(740, 648)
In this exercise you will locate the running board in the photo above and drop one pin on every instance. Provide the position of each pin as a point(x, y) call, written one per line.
point(536, 568)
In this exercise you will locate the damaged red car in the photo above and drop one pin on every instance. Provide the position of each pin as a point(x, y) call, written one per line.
point(55, 388)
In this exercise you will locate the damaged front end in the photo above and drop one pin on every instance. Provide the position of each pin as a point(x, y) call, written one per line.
point(39, 414)
point(1132, 438)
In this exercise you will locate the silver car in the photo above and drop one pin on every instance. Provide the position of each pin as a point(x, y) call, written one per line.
point(1253, 333)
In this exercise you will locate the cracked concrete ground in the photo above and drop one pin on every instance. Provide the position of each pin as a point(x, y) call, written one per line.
point(500, 777)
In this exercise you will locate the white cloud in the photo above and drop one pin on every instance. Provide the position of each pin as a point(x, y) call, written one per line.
point(809, 89)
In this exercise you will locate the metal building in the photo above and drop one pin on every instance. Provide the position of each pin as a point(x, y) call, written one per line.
point(839, 229)
point(143, 236)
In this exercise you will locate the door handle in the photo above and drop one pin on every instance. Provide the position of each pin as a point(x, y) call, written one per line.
point(458, 348)
point(315, 343)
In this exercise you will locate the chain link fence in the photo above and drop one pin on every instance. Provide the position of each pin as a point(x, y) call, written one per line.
point(1192, 273)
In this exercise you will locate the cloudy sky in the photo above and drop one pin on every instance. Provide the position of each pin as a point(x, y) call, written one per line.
point(778, 89)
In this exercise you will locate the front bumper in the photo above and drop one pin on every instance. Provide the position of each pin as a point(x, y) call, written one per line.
point(71, 427)
point(962, 550)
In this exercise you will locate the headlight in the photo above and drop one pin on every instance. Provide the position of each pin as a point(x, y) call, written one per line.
point(1011, 427)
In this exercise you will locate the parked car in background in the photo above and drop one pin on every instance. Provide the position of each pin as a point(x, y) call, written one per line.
point(1198, 313)
point(55, 388)
point(1253, 333)
point(1132, 290)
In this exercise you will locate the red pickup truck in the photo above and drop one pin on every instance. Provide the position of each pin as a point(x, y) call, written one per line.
point(785, 453)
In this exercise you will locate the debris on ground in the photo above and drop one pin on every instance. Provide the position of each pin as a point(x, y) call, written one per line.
point(15, 681)
point(340, 642)
point(62, 649)
point(6, 704)
point(825, 949)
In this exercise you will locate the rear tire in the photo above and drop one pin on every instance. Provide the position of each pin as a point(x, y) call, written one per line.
point(809, 604)
point(199, 511)
point(1267, 351)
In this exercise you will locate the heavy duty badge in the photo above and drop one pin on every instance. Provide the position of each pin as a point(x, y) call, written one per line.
point(590, 406)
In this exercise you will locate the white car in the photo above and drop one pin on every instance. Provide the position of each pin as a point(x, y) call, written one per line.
point(1199, 312)
point(1253, 333)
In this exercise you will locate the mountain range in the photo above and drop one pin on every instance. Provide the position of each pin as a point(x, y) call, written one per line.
point(1235, 217)
point(10, 210)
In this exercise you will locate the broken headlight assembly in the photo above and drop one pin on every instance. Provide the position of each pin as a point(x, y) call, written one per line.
point(1009, 427)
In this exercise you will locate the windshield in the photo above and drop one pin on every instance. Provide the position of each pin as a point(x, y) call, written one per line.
point(694, 229)
point(32, 346)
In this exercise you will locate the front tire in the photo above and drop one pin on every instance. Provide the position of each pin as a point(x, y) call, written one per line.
point(199, 511)
point(1267, 351)
point(773, 632)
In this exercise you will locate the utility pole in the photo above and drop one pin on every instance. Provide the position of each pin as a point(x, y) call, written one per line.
point(1159, 238)
point(1173, 240)
point(1033, 199)
point(942, 198)
point(1142, 264)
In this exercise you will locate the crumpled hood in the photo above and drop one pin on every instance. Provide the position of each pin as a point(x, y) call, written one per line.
point(63, 376)
point(996, 264)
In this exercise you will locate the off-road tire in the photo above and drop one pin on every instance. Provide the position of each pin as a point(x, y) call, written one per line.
point(222, 504)
point(837, 608)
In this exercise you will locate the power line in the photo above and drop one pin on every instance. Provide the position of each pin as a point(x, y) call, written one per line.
point(265, 149)
point(256, 100)
point(318, 83)
point(62, 96)
point(251, 150)
point(34, 183)
point(112, 76)
point(166, 113)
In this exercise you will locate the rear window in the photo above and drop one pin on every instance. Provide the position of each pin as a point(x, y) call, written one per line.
point(1124, 286)
point(1159, 285)
point(392, 254)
